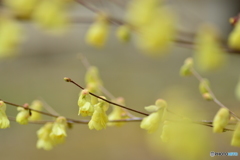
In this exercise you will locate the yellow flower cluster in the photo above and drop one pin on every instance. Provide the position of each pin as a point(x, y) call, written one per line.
point(209, 52)
point(154, 25)
point(4, 122)
point(152, 122)
point(85, 105)
point(99, 118)
point(52, 134)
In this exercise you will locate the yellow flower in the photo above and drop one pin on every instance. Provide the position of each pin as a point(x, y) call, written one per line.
point(221, 119)
point(92, 76)
point(51, 14)
point(236, 136)
point(35, 115)
point(4, 122)
point(44, 140)
point(204, 86)
point(154, 25)
point(10, 37)
point(58, 132)
point(22, 8)
point(234, 37)
point(152, 122)
point(186, 69)
point(209, 54)
point(118, 113)
point(98, 32)
point(99, 118)
point(22, 116)
point(123, 33)
point(84, 103)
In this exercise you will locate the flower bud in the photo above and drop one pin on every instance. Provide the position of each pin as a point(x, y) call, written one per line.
point(221, 120)
point(4, 122)
point(186, 68)
point(236, 136)
point(234, 37)
point(207, 96)
point(123, 33)
point(204, 86)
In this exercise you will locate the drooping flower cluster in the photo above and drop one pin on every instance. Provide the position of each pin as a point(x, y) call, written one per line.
point(4, 122)
point(52, 134)
point(152, 122)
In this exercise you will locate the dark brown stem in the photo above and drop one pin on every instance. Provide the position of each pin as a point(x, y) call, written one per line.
point(70, 80)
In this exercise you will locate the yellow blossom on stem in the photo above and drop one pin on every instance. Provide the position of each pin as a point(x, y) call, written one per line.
point(4, 122)
point(186, 69)
point(51, 14)
point(21, 8)
point(99, 118)
point(152, 122)
point(84, 102)
point(35, 115)
point(118, 113)
point(10, 37)
point(221, 120)
point(204, 86)
point(98, 32)
point(22, 116)
point(209, 54)
point(236, 136)
point(58, 132)
point(44, 140)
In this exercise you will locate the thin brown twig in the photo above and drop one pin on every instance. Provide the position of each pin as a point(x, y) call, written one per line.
point(200, 79)
point(73, 82)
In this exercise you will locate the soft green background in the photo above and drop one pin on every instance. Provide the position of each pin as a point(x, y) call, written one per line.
point(44, 60)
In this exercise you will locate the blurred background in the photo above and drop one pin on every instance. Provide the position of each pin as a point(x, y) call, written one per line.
point(44, 59)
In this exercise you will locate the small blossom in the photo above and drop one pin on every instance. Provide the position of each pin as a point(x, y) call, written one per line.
point(166, 131)
point(22, 116)
point(84, 102)
point(236, 136)
point(44, 140)
point(99, 118)
point(21, 8)
point(10, 38)
point(123, 33)
point(152, 122)
point(209, 53)
point(51, 14)
point(118, 113)
point(186, 69)
point(58, 132)
point(204, 86)
point(4, 122)
point(207, 96)
point(98, 32)
point(221, 119)
point(35, 115)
